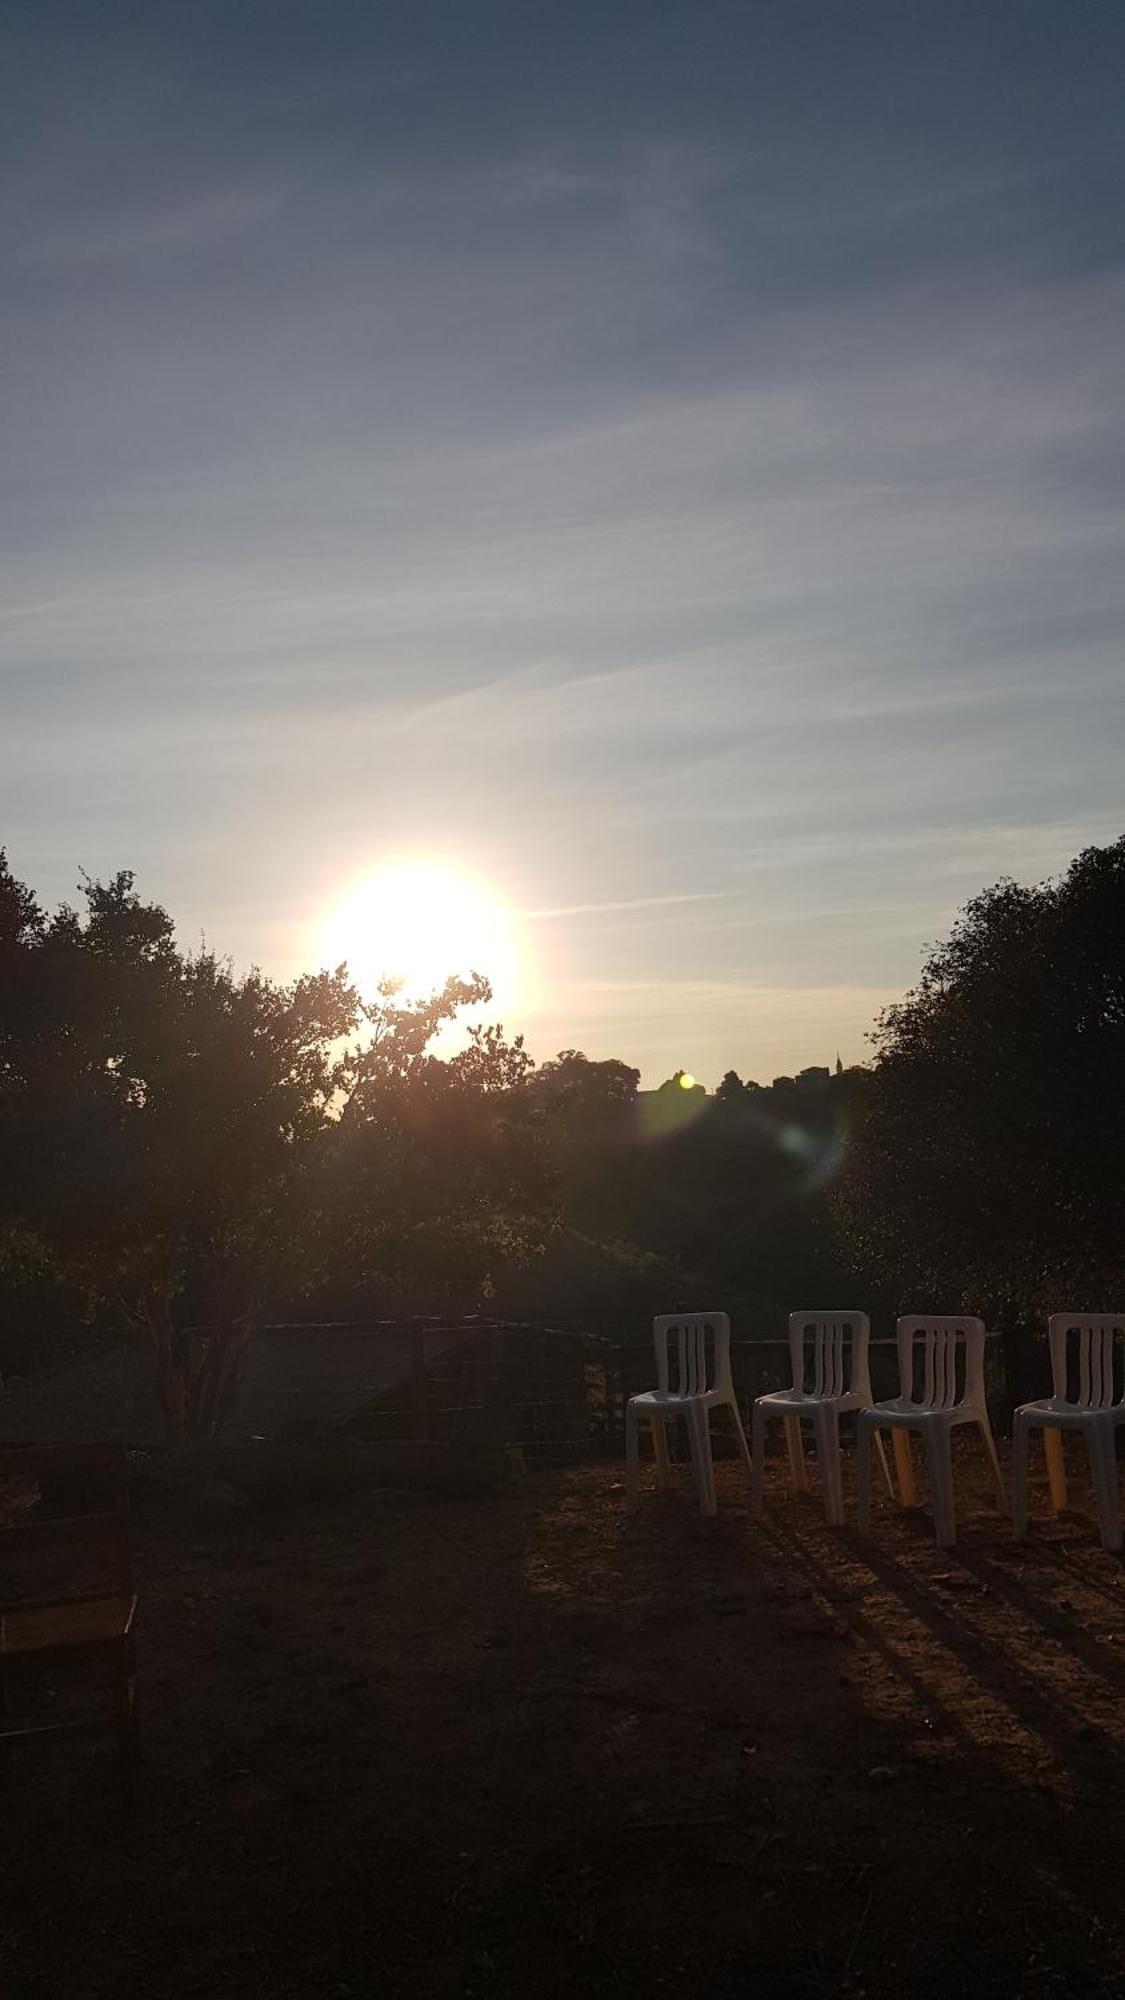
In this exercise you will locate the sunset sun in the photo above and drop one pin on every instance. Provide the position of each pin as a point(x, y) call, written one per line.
point(418, 921)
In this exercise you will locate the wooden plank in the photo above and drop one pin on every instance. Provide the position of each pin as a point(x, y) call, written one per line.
point(86, 1727)
point(61, 1531)
point(32, 1461)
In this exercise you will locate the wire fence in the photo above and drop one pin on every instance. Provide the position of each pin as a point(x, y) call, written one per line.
point(549, 1392)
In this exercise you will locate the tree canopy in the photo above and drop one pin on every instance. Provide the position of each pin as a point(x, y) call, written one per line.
point(194, 1149)
point(158, 1118)
point(986, 1164)
point(195, 1145)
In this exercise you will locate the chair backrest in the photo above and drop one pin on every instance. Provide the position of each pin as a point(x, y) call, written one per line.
point(62, 1505)
point(1088, 1359)
point(829, 1353)
point(950, 1351)
point(692, 1352)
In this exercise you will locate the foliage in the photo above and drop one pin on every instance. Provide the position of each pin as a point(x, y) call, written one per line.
point(159, 1118)
point(196, 1146)
point(581, 1093)
point(200, 1147)
point(986, 1167)
point(593, 1286)
point(725, 1201)
point(439, 1174)
point(738, 1198)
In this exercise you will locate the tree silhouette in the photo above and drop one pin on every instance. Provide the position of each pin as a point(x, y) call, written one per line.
point(731, 1089)
point(159, 1120)
point(196, 1146)
point(438, 1171)
point(986, 1167)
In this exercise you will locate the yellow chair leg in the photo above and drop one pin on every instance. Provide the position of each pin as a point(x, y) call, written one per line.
point(904, 1467)
point(1056, 1467)
point(797, 1469)
point(660, 1451)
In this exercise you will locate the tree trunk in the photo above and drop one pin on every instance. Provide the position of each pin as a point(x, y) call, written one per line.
point(156, 1316)
point(221, 1361)
point(197, 1369)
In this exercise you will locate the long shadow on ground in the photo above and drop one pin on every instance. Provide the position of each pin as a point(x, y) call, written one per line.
point(542, 1744)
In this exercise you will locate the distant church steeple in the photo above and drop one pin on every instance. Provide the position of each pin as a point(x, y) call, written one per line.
point(839, 1064)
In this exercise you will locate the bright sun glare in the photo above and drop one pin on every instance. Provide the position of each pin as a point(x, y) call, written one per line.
point(418, 921)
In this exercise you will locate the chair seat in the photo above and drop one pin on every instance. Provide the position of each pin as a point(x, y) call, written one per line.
point(49, 1628)
point(902, 1414)
point(795, 1401)
point(1048, 1411)
point(670, 1399)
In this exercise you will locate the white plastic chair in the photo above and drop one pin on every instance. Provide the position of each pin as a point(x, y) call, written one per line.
point(1092, 1342)
point(828, 1351)
point(952, 1392)
point(693, 1378)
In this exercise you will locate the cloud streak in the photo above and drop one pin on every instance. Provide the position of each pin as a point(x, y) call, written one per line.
point(697, 507)
point(628, 903)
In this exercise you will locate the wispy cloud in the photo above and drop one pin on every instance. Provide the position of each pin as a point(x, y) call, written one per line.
point(627, 903)
point(698, 505)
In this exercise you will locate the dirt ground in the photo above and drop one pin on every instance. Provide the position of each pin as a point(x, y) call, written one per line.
point(540, 1745)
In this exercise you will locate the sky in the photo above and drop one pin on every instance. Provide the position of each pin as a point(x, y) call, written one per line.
point(664, 459)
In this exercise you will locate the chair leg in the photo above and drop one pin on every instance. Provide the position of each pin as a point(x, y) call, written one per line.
point(660, 1451)
point(882, 1451)
point(757, 1455)
point(632, 1452)
point(863, 1430)
point(798, 1471)
point(1103, 1464)
point(985, 1429)
point(740, 1436)
point(939, 1465)
point(1056, 1466)
point(699, 1434)
point(904, 1467)
point(826, 1429)
point(1020, 1432)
